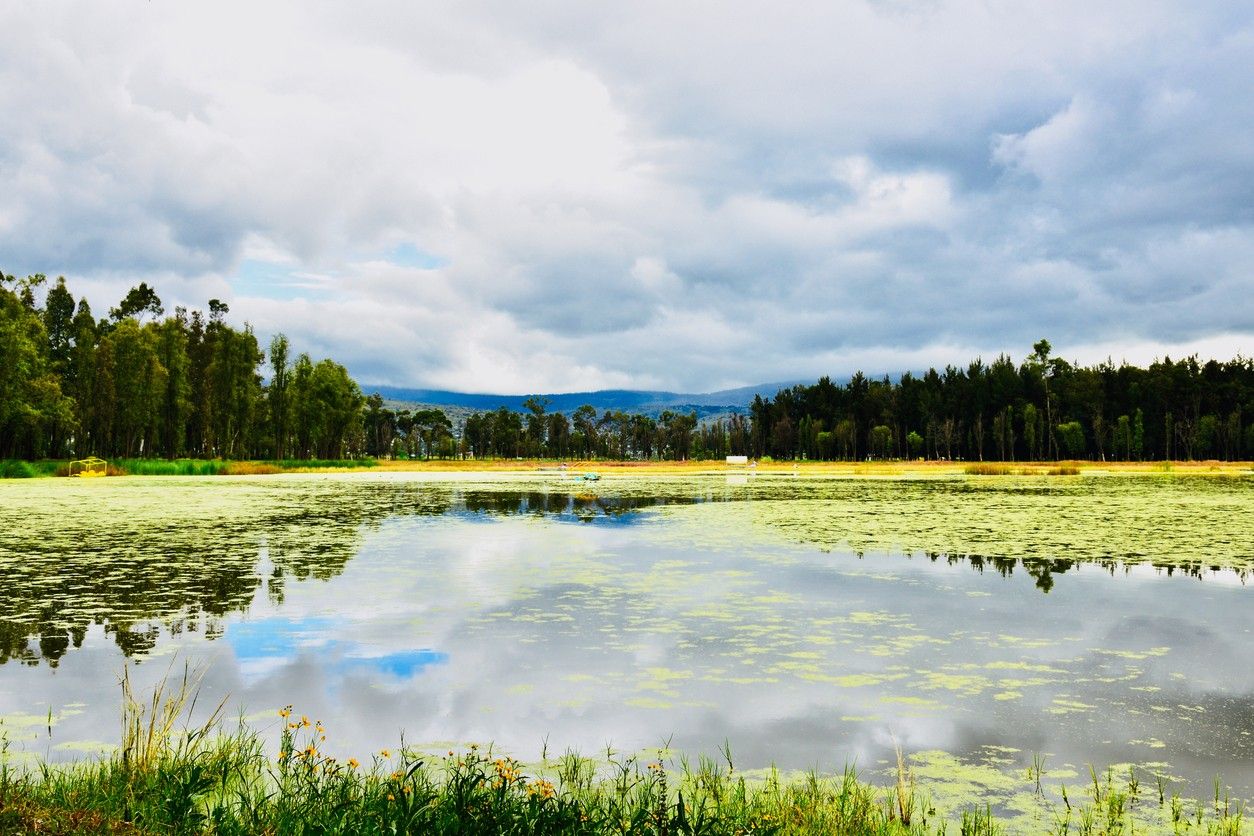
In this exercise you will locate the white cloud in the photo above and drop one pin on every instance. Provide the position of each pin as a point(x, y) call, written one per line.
point(652, 195)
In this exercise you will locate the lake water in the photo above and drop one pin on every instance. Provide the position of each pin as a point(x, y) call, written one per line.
point(805, 621)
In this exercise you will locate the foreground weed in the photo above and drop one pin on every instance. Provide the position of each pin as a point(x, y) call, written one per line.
point(169, 776)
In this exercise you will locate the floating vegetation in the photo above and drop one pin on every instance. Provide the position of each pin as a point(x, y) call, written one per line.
point(208, 779)
point(829, 613)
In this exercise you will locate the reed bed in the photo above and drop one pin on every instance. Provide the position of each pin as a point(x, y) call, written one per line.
point(166, 467)
point(1001, 469)
point(993, 469)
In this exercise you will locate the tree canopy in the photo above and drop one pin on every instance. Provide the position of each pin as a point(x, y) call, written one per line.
point(137, 384)
point(141, 383)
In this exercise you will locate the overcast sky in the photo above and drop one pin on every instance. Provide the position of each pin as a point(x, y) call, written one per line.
point(559, 196)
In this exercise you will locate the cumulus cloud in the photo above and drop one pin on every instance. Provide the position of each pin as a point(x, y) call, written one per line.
point(489, 196)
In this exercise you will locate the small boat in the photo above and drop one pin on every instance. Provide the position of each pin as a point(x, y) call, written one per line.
point(591, 477)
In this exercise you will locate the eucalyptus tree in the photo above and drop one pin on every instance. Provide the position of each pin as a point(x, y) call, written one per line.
point(536, 424)
point(277, 395)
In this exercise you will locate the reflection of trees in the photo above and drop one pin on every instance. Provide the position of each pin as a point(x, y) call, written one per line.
point(186, 574)
point(584, 506)
point(1043, 570)
point(134, 574)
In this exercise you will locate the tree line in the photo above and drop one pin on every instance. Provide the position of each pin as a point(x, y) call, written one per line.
point(138, 383)
point(1045, 408)
point(535, 433)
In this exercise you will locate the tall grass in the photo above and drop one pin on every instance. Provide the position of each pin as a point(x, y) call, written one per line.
point(222, 467)
point(167, 467)
point(1001, 469)
point(203, 779)
point(17, 469)
point(991, 469)
point(321, 464)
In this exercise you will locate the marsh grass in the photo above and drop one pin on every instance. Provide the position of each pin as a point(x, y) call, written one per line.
point(299, 465)
point(19, 469)
point(1002, 469)
point(168, 776)
point(251, 468)
point(16, 469)
point(167, 467)
point(992, 469)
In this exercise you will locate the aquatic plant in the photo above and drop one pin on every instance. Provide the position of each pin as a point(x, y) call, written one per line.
point(203, 778)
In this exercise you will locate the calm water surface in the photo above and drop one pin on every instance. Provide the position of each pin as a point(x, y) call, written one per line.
point(807, 622)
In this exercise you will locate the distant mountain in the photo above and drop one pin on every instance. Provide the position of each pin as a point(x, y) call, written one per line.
point(627, 400)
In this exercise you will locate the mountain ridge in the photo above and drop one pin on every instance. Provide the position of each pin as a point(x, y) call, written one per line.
point(627, 400)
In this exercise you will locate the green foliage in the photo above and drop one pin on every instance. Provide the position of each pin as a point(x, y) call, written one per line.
point(612, 435)
point(20, 469)
point(318, 464)
point(915, 441)
point(34, 414)
point(138, 386)
point(1043, 409)
point(140, 301)
point(166, 467)
point(17, 469)
point(1071, 438)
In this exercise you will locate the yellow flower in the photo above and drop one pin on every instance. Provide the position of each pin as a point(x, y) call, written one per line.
point(285, 712)
point(385, 753)
point(391, 797)
point(353, 763)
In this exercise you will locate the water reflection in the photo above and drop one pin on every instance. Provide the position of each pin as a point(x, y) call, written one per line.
point(809, 623)
point(184, 555)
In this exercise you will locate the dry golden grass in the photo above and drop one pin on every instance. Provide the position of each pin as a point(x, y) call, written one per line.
point(251, 468)
point(875, 468)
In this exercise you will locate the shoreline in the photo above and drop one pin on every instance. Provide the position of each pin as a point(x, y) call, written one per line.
point(17, 469)
point(169, 775)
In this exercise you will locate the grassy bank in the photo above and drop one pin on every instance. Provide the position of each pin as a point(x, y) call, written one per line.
point(873, 468)
point(18, 469)
point(15, 469)
point(165, 778)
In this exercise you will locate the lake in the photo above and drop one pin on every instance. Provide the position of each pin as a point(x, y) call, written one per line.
point(805, 621)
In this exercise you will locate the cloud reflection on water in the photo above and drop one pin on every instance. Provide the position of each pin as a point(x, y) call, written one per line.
point(465, 613)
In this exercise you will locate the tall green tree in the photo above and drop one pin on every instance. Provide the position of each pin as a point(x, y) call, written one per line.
point(277, 395)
